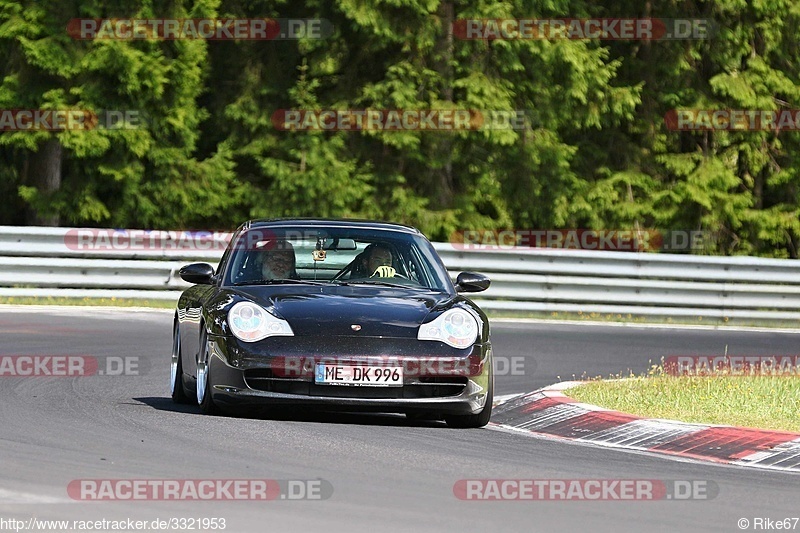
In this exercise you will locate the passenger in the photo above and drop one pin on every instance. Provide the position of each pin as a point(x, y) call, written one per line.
point(279, 262)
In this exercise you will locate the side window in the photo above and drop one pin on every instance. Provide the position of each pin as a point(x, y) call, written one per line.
point(416, 268)
point(407, 266)
point(413, 272)
point(227, 257)
point(222, 262)
point(403, 263)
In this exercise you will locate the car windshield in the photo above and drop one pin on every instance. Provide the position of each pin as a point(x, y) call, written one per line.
point(335, 255)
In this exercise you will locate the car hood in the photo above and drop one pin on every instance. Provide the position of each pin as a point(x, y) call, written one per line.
point(341, 310)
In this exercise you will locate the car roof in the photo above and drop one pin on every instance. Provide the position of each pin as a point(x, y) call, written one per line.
point(329, 222)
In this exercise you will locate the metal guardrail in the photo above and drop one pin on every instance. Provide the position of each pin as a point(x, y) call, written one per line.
point(36, 261)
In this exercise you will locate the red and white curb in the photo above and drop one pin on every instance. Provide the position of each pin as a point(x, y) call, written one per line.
point(550, 412)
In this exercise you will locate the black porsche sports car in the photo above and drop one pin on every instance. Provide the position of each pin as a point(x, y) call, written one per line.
point(352, 315)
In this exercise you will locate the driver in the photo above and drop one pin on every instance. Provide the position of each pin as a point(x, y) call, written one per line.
point(378, 260)
point(279, 262)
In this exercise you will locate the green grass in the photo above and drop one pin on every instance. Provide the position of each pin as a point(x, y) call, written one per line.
point(765, 402)
point(113, 302)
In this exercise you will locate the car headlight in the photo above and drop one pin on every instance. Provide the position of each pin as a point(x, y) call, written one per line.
point(455, 327)
point(250, 323)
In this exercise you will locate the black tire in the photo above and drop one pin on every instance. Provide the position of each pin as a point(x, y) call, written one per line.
point(178, 391)
point(206, 402)
point(477, 420)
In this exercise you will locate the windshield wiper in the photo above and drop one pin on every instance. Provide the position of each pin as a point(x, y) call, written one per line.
point(278, 281)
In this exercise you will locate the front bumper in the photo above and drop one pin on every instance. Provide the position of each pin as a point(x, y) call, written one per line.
point(439, 379)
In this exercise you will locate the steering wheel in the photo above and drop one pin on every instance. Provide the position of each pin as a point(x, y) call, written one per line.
point(387, 271)
point(350, 267)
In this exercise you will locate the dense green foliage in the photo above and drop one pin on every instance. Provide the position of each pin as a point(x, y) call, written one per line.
point(596, 153)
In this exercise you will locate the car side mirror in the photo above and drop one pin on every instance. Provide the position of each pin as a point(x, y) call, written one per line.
point(472, 282)
point(198, 273)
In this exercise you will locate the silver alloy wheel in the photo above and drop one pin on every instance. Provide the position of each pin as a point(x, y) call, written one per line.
point(202, 370)
point(173, 367)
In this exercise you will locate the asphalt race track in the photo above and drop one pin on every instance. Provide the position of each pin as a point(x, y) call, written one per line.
point(387, 473)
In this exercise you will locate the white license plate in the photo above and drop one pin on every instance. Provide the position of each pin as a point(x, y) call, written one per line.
point(359, 375)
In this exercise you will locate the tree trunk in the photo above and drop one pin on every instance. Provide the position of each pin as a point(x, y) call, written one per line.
point(446, 47)
point(44, 173)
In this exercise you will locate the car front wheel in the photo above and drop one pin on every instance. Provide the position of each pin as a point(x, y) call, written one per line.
point(176, 370)
point(477, 420)
point(204, 399)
